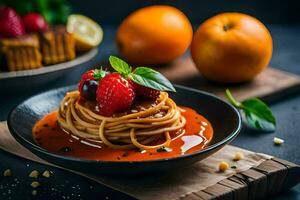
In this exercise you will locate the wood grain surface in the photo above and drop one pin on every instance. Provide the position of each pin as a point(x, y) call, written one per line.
point(269, 178)
point(271, 85)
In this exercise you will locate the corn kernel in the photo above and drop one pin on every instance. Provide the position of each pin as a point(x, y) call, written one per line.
point(238, 156)
point(278, 141)
point(7, 172)
point(35, 184)
point(34, 192)
point(34, 174)
point(46, 174)
point(223, 166)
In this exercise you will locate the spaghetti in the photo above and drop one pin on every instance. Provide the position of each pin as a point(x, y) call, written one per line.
point(137, 129)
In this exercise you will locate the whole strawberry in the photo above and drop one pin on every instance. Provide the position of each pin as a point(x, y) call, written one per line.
point(11, 24)
point(116, 91)
point(34, 22)
point(114, 94)
point(145, 91)
point(89, 83)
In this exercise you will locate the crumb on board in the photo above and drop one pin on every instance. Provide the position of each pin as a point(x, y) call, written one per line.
point(223, 166)
point(35, 184)
point(46, 174)
point(34, 192)
point(278, 141)
point(238, 156)
point(34, 174)
point(7, 172)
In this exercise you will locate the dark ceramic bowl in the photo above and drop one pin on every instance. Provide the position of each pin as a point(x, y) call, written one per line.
point(225, 119)
point(27, 79)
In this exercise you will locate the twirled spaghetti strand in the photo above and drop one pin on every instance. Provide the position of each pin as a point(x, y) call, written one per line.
point(134, 130)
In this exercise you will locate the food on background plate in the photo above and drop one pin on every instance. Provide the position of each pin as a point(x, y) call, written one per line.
point(11, 24)
point(231, 47)
point(87, 33)
point(35, 23)
point(154, 35)
point(57, 45)
point(29, 42)
point(128, 116)
point(21, 53)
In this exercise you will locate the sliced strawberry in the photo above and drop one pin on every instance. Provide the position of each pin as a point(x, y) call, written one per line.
point(145, 91)
point(11, 24)
point(86, 78)
point(114, 93)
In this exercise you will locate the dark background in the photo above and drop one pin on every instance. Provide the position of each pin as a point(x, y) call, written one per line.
point(270, 12)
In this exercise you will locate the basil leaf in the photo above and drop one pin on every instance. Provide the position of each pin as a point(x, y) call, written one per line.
point(120, 65)
point(260, 114)
point(164, 149)
point(66, 149)
point(151, 78)
point(256, 113)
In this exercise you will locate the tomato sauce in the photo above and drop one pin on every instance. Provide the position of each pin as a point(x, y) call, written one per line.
point(198, 132)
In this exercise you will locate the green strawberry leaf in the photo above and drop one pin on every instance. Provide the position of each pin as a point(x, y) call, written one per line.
point(151, 78)
point(99, 73)
point(120, 65)
point(256, 113)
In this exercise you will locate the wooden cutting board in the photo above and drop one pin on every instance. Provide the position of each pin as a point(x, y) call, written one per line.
point(271, 85)
point(269, 178)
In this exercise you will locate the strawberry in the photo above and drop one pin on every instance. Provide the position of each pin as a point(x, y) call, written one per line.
point(34, 22)
point(145, 91)
point(90, 80)
point(11, 24)
point(114, 93)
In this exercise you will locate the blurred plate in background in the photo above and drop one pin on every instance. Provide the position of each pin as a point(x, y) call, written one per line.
point(30, 78)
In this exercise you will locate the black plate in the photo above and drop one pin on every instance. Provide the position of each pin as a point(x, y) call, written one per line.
point(61, 184)
point(225, 119)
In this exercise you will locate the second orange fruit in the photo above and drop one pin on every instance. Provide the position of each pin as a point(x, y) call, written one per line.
point(154, 35)
point(231, 48)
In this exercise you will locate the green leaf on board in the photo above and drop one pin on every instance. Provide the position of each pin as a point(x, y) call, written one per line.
point(256, 113)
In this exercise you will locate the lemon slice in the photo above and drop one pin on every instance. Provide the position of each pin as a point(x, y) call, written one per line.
point(87, 33)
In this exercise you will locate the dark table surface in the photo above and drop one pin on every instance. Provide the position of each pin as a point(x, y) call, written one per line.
point(286, 56)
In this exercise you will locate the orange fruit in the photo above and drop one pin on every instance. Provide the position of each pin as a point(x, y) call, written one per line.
point(231, 47)
point(154, 35)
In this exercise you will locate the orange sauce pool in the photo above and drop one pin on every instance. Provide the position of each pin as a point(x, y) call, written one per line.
point(48, 135)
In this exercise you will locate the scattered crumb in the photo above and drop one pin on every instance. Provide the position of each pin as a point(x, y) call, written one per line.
point(46, 174)
point(7, 172)
point(34, 174)
point(34, 192)
point(278, 141)
point(35, 184)
point(233, 167)
point(223, 166)
point(238, 156)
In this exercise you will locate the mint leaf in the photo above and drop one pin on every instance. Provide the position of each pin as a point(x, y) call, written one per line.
point(99, 73)
point(151, 78)
point(119, 65)
point(255, 112)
